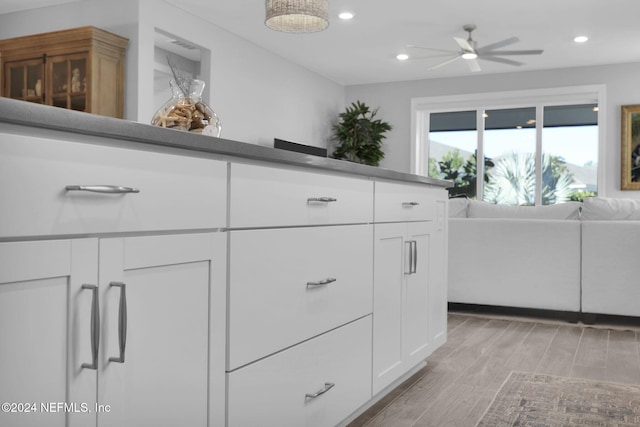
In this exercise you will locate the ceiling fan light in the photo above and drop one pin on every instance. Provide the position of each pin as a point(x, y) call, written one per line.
point(297, 16)
point(469, 55)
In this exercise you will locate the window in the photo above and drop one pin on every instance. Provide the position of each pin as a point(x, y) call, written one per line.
point(570, 134)
point(452, 149)
point(510, 147)
point(538, 152)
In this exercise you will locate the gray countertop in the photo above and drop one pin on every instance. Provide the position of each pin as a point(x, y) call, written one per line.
point(42, 116)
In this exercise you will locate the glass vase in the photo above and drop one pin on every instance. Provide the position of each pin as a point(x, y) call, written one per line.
point(187, 112)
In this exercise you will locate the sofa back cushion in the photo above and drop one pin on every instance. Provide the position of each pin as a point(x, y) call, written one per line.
point(568, 210)
point(604, 208)
point(458, 207)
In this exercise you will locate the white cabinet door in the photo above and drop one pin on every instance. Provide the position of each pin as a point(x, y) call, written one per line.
point(388, 281)
point(288, 285)
point(275, 197)
point(416, 298)
point(45, 336)
point(158, 375)
point(408, 306)
point(401, 201)
point(316, 383)
point(175, 192)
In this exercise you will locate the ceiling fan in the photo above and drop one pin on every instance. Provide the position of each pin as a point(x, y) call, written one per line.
point(470, 52)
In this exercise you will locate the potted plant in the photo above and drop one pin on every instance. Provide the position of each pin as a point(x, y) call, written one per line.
point(359, 136)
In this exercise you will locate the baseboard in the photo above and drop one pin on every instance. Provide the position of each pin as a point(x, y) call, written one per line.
point(609, 319)
point(568, 316)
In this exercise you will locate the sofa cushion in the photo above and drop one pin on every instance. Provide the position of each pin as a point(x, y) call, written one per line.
point(458, 207)
point(568, 210)
point(604, 208)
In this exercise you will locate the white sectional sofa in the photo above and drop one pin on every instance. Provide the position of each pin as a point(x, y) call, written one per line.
point(610, 256)
point(515, 256)
point(571, 257)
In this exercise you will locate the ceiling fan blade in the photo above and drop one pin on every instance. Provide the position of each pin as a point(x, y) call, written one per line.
point(431, 56)
point(412, 46)
point(513, 52)
point(464, 44)
point(496, 45)
point(443, 63)
point(502, 60)
point(473, 65)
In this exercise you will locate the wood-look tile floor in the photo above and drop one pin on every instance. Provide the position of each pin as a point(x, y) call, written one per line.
point(462, 377)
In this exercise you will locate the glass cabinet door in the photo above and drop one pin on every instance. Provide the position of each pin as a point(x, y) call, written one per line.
point(25, 80)
point(68, 81)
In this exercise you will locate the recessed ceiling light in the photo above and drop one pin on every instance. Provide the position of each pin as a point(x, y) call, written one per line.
point(402, 57)
point(346, 15)
point(580, 39)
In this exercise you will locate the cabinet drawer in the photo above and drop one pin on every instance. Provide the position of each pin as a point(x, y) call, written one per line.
point(264, 196)
point(273, 392)
point(176, 192)
point(405, 202)
point(288, 285)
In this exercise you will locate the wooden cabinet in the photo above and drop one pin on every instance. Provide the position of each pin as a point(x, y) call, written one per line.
point(79, 69)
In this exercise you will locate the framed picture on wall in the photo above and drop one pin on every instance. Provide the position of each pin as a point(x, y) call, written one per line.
point(630, 149)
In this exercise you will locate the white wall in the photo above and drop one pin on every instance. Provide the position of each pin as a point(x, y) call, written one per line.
point(257, 95)
point(394, 100)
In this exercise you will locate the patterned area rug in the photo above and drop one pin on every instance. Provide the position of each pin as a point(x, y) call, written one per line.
point(527, 400)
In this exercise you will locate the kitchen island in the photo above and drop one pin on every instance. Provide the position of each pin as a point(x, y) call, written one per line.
point(191, 280)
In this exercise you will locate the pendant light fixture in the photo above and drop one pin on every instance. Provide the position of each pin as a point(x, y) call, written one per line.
point(297, 16)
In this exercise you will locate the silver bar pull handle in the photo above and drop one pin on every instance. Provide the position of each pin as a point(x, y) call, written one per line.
point(408, 264)
point(122, 322)
point(326, 388)
point(95, 327)
point(105, 189)
point(409, 204)
point(321, 199)
point(413, 257)
point(322, 282)
point(414, 267)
